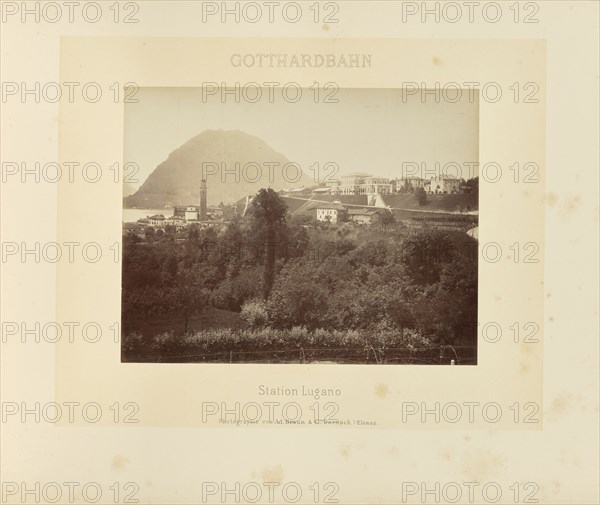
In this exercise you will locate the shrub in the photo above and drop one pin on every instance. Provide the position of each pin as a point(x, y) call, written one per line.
point(231, 293)
point(132, 341)
point(297, 299)
point(164, 342)
point(421, 196)
point(414, 338)
point(254, 313)
point(218, 342)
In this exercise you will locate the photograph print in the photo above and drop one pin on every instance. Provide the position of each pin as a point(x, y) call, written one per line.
point(339, 228)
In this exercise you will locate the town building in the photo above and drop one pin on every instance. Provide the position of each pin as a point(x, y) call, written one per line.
point(409, 183)
point(195, 212)
point(175, 222)
point(187, 213)
point(158, 220)
point(378, 186)
point(443, 184)
point(322, 191)
point(359, 183)
point(294, 190)
point(133, 228)
point(214, 212)
point(331, 212)
point(363, 216)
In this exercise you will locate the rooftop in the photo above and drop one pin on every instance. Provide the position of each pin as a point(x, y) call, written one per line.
point(361, 212)
point(445, 177)
point(345, 199)
point(132, 226)
point(328, 205)
point(356, 174)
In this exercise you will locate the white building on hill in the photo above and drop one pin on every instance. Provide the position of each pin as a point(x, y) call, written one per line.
point(443, 184)
point(330, 212)
point(359, 183)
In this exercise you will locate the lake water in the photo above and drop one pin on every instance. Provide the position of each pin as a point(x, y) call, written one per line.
point(132, 215)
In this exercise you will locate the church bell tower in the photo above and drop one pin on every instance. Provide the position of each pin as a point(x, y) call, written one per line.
point(202, 211)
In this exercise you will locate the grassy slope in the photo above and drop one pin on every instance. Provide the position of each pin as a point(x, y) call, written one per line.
point(210, 318)
point(448, 203)
point(293, 204)
point(437, 203)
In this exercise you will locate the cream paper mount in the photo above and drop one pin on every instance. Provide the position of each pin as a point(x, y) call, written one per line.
point(502, 392)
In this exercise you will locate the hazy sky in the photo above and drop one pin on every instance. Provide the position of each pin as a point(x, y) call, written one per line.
point(369, 130)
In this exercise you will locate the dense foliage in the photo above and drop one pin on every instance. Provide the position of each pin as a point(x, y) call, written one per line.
point(281, 274)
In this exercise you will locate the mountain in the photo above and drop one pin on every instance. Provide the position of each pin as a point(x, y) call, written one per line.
point(129, 189)
point(176, 181)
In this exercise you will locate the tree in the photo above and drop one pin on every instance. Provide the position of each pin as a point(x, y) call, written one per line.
point(385, 219)
point(472, 185)
point(149, 233)
point(190, 295)
point(146, 302)
point(298, 299)
point(168, 268)
point(268, 213)
point(232, 248)
point(421, 196)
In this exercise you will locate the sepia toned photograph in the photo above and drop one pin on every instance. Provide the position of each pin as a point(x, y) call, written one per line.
point(337, 226)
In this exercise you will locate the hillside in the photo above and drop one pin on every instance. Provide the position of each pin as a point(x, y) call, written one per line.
point(361, 200)
point(448, 203)
point(293, 204)
point(129, 189)
point(176, 181)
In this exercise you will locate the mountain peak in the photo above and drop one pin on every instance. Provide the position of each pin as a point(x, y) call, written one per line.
point(176, 181)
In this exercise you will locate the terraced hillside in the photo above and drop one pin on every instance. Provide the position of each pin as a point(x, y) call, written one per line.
point(449, 203)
